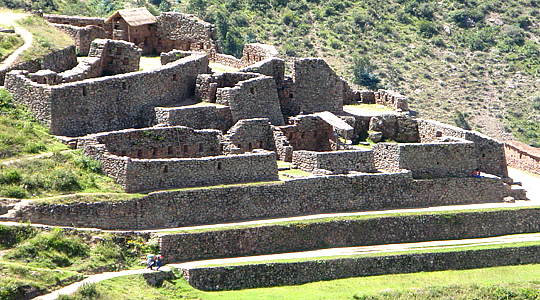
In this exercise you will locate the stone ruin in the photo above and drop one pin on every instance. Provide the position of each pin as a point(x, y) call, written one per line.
point(207, 119)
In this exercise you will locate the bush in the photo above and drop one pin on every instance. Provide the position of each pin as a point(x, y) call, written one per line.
point(462, 17)
point(362, 72)
point(13, 192)
point(9, 176)
point(460, 120)
point(427, 29)
point(12, 235)
point(53, 249)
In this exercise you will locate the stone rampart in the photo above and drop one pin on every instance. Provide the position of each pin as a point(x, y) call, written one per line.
point(273, 67)
point(57, 61)
point(108, 103)
point(522, 156)
point(174, 55)
point(490, 155)
point(269, 239)
point(313, 195)
point(335, 162)
point(207, 84)
point(197, 117)
point(253, 98)
point(251, 54)
point(276, 274)
point(427, 160)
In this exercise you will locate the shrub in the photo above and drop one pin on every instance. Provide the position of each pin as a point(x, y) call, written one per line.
point(87, 163)
point(427, 29)
point(12, 235)
point(9, 176)
point(462, 16)
point(362, 72)
point(460, 120)
point(13, 192)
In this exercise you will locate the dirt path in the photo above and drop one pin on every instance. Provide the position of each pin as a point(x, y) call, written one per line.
point(9, 18)
point(70, 289)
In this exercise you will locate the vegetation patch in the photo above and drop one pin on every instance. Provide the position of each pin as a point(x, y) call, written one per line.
point(46, 38)
point(40, 261)
point(9, 42)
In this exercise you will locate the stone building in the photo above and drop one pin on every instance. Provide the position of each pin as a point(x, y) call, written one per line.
point(136, 25)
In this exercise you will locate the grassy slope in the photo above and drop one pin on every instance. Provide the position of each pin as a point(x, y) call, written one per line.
point(46, 38)
point(514, 282)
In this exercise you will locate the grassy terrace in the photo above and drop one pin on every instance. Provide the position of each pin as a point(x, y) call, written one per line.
point(449, 214)
point(509, 282)
point(9, 42)
point(46, 38)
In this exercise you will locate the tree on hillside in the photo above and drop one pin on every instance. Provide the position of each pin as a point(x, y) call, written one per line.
point(363, 73)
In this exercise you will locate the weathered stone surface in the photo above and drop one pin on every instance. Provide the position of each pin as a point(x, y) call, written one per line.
point(375, 136)
point(336, 162)
point(275, 274)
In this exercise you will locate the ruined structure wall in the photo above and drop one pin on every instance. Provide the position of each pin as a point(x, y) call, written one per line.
point(75, 20)
point(57, 61)
point(118, 102)
point(522, 156)
point(295, 197)
point(337, 162)
point(83, 36)
point(250, 134)
point(273, 67)
point(174, 55)
point(260, 240)
point(253, 98)
point(185, 32)
point(310, 133)
point(197, 117)
point(160, 142)
point(490, 155)
point(207, 84)
point(317, 86)
point(392, 100)
point(276, 274)
point(428, 160)
point(36, 97)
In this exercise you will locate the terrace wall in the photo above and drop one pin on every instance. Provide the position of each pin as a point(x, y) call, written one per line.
point(268, 239)
point(276, 274)
point(210, 205)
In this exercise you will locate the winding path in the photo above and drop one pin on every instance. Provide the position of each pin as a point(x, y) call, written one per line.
point(9, 18)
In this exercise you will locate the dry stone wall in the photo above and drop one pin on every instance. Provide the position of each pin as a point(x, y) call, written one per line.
point(253, 98)
point(310, 133)
point(489, 154)
point(57, 61)
point(317, 87)
point(207, 84)
point(249, 134)
point(392, 99)
point(185, 32)
point(83, 36)
point(314, 195)
point(197, 117)
point(158, 142)
point(271, 239)
point(276, 274)
point(522, 156)
point(335, 162)
point(427, 160)
point(108, 103)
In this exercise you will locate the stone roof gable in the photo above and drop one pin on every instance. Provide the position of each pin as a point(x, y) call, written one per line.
point(134, 16)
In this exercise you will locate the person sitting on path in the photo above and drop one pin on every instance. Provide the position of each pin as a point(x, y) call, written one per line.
point(159, 261)
point(150, 261)
point(476, 173)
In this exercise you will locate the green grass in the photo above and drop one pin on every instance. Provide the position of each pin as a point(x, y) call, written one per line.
point(20, 133)
point(370, 108)
point(222, 68)
point(43, 261)
point(46, 38)
point(8, 44)
point(62, 173)
point(511, 282)
point(294, 173)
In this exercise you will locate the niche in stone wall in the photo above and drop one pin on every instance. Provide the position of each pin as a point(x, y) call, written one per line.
point(84, 91)
point(219, 165)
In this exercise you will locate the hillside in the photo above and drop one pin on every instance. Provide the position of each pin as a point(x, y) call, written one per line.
point(472, 63)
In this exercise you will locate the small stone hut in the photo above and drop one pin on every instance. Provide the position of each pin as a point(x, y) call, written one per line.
point(136, 25)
